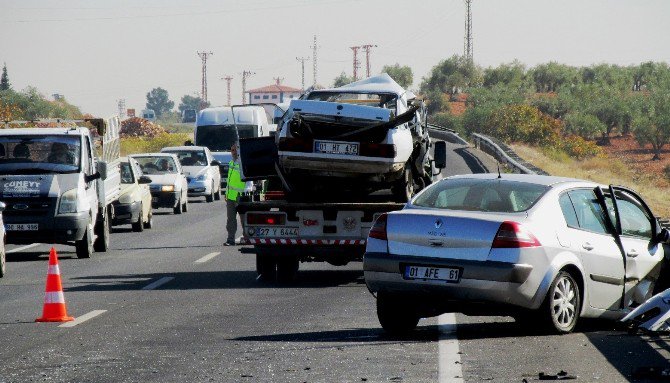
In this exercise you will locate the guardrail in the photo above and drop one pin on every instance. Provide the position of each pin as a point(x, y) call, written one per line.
point(446, 134)
point(505, 155)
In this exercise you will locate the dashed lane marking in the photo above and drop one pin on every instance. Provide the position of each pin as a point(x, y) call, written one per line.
point(22, 248)
point(83, 318)
point(208, 257)
point(157, 283)
point(449, 358)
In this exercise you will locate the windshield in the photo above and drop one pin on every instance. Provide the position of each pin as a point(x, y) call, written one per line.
point(493, 195)
point(190, 157)
point(222, 137)
point(380, 100)
point(36, 154)
point(126, 173)
point(157, 165)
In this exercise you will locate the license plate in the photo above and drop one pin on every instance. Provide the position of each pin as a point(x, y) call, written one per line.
point(333, 147)
point(154, 199)
point(273, 232)
point(21, 227)
point(447, 274)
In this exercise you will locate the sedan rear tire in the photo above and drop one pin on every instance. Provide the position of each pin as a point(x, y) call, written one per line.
point(139, 225)
point(3, 263)
point(561, 307)
point(179, 208)
point(395, 317)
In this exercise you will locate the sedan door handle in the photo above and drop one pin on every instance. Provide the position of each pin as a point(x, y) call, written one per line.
point(632, 253)
point(587, 246)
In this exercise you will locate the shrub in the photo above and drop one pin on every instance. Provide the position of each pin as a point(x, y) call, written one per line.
point(139, 127)
point(580, 148)
point(132, 145)
point(446, 120)
point(584, 125)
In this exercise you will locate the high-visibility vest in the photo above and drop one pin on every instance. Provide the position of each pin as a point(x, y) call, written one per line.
point(235, 186)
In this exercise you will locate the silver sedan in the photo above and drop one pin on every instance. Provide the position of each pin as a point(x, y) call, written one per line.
point(542, 249)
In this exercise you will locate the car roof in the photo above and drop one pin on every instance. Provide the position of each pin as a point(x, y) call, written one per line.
point(153, 155)
point(189, 148)
point(530, 178)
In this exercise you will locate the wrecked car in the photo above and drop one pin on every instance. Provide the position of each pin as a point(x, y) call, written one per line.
point(357, 139)
point(545, 250)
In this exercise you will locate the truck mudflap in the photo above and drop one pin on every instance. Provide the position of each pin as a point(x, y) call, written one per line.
point(299, 241)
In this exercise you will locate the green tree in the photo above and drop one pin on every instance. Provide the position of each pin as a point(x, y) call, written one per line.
point(584, 125)
point(551, 76)
point(342, 79)
point(4, 80)
point(401, 74)
point(511, 74)
point(450, 76)
point(190, 102)
point(652, 122)
point(159, 101)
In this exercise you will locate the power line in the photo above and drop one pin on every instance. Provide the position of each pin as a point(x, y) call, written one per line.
point(203, 89)
point(302, 62)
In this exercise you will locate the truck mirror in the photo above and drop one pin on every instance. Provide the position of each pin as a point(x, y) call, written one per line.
point(440, 154)
point(102, 169)
point(92, 177)
point(144, 180)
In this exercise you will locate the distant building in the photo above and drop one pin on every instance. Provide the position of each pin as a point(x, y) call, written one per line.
point(275, 93)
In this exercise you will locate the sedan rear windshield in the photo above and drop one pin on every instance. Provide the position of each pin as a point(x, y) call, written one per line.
point(489, 195)
point(222, 137)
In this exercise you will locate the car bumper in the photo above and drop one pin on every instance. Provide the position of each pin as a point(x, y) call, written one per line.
point(160, 199)
point(497, 282)
point(62, 229)
point(340, 164)
point(125, 213)
point(199, 188)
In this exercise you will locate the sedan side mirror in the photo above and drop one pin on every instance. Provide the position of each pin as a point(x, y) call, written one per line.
point(144, 180)
point(215, 163)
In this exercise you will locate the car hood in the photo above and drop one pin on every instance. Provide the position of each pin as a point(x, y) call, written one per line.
point(222, 157)
point(194, 171)
point(163, 179)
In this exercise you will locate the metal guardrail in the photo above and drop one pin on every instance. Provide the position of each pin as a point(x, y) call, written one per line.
point(505, 155)
point(446, 134)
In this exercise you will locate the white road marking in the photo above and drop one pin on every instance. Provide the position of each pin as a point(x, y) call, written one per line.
point(449, 358)
point(83, 318)
point(208, 257)
point(22, 248)
point(157, 283)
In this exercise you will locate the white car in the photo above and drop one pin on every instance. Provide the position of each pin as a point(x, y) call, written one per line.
point(134, 204)
point(168, 183)
point(201, 171)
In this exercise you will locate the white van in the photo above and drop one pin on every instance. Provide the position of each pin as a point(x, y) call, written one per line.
point(149, 115)
point(215, 129)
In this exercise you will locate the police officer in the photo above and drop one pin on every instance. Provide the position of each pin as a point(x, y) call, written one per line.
point(235, 187)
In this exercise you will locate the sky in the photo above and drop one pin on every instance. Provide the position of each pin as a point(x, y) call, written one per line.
point(97, 52)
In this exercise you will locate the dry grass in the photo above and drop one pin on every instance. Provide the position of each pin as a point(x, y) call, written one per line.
point(604, 170)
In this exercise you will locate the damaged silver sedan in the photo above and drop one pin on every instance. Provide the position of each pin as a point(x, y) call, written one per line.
point(546, 250)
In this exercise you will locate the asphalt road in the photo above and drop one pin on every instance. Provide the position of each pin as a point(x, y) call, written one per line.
point(179, 307)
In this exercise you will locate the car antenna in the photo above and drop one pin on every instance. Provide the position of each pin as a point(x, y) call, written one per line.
point(499, 175)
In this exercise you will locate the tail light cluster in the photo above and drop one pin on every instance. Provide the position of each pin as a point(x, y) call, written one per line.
point(295, 145)
point(377, 150)
point(514, 235)
point(378, 229)
point(268, 219)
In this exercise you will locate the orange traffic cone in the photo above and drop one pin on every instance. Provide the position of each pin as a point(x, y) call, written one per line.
point(54, 300)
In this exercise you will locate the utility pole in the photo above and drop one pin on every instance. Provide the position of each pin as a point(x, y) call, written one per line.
point(122, 108)
point(302, 62)
point(314, 49)
point(228, 79)
point(245, 74)
point(366, 48)
point(356, 62)
point(203, 89)
point(467, 45)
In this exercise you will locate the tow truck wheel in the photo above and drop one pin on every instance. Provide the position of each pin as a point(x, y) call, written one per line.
point(3, 263)
point(395, 317)
point(265, 267)
point(149, 224)
point(102, 241)
point(139, 225)
point(84, 246)
point(403, 189)
point(287, 269)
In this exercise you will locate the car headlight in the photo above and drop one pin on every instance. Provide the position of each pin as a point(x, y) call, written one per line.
point(167, 188)
point(68, 202)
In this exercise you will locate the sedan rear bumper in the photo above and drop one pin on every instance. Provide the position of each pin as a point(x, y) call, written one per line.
point(480, 281)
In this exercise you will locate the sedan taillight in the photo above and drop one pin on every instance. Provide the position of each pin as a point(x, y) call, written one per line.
point(378, 229)
point(514, 235)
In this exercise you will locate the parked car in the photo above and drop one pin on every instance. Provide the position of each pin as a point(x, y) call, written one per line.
point(134, 204)
point(542, 249)
point(201, 170)
point(168, 186)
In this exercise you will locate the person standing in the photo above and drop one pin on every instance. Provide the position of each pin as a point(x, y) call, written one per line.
point(234, 188)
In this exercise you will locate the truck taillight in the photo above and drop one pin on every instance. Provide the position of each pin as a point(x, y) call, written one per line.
point(377, 150)
point(266, 219)
point(514, 235)
point(378, 229)
point(295, 145)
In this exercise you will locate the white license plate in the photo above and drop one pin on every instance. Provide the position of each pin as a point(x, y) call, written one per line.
point(154, 199)
point(273, 232)
point(21, 227)
point(334, 147)
point(447, 274)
